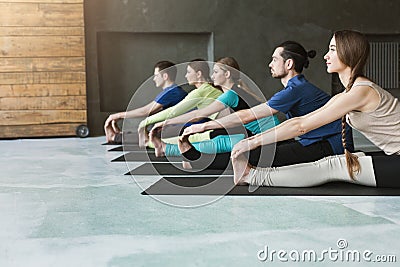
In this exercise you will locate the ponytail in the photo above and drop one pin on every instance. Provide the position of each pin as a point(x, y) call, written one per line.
point(353, 51)
point(245, 87)
point(230, 64)
point(352, 163)
point(295, 51)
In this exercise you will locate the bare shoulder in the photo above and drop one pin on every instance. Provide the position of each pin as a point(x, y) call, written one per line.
point(366, 95)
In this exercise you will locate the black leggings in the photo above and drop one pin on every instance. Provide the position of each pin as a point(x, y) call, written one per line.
point(386, 169)
point(285, 153)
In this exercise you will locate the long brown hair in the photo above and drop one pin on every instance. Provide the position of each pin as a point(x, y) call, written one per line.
point(353, 50)
point(230, 64)
point(201, 65)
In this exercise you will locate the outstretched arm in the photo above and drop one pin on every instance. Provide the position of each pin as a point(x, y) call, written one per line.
point(144, 111)
point(356, 99)
point(238, 118)
point(194, 115)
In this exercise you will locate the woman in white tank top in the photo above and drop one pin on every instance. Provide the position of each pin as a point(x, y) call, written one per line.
point(364, 105)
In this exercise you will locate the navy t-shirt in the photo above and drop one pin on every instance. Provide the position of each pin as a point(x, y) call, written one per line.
point(170, 96)
point(299, 98)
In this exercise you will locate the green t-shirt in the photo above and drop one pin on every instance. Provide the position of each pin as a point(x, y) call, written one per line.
point(198, 98)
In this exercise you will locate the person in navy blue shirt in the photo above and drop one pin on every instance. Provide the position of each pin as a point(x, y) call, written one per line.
point(298, 98)
point(164, 77)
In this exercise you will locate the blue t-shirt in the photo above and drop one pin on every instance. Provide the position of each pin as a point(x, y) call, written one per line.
point(231, 99)
point(170, 96)
point(299, 98)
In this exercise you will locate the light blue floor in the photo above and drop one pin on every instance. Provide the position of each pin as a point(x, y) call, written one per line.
point(63, 203)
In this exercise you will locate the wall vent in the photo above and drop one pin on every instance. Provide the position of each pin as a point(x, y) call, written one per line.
point(383, 66)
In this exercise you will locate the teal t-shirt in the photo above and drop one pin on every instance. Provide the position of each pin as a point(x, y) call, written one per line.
point(261, 125)
point(231, 99)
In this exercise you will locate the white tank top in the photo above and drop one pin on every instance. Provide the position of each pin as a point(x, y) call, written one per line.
point(382, 125)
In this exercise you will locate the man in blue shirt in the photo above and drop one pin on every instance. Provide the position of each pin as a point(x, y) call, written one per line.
point(164, 77)
point(298, 98)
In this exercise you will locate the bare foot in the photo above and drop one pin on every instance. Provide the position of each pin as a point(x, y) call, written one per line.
point(241, 170)
point(143, 137)
point(184, 144)
point(186, 165)
point(110, 134)
point(159, 145)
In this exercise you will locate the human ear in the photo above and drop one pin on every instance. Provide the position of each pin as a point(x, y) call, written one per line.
point(165, 76)
point(227, 74)
point(289, 64)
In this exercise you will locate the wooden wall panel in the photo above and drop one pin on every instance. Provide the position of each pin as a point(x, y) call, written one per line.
point(39, 130)
point(39, 90)
point(32, 31)
point(45, 103)
point(43, 1)
point(42, 64)
point(32, 117)
point(42, 68)
point(40, 46)
point(41, 14)
point(41, 77)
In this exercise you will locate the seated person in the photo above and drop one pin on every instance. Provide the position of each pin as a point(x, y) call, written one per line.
point(164, 77)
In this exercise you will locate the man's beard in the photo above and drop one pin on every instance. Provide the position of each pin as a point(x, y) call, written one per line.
point(279, 76)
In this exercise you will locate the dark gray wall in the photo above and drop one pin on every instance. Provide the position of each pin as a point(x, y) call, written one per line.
point(245, 29)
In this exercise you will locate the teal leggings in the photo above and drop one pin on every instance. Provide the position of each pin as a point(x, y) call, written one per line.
point(219, 144)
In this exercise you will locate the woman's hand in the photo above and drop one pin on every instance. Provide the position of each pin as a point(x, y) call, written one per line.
point(244, 146)
point(195, 128)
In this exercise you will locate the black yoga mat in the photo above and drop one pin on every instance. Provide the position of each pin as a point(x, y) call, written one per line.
point(111, 144)
point(170, 170)
point(224, 186)
point(130, 148)
point(140, 156)
point(128, 138)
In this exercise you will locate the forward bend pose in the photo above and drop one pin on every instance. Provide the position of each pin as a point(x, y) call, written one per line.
point(164, 77)
point(226, 74)
point(197, 74)
point(298, 98)
point(364, 105)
